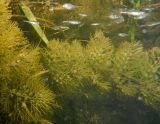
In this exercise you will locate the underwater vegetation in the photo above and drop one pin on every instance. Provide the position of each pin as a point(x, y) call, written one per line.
point(24, 98)
point(84, 76)
point(70, 82)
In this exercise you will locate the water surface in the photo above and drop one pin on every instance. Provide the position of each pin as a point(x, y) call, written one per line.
point(79, 19)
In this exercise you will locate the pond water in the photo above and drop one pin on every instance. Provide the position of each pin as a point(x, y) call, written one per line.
point(119, 20)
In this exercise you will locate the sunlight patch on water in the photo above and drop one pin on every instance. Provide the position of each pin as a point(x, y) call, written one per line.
point(151, 24)
point(72, 22)
point(69, 6)
point(32, 22)
point(95, 24)
point(135, 13)
point(60, 28)
point(82, 14)
point(122, 35)
point(85, 17)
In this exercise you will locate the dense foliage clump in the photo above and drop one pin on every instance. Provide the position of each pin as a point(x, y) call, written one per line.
point(85, 76)
point(23, 96)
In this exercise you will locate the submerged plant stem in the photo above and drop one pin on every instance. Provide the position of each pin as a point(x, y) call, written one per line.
point(132, 30)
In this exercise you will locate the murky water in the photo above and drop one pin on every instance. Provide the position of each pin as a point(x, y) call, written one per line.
point(78, 19)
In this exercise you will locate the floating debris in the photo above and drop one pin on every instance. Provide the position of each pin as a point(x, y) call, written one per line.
point(73, 22)
point(95, 24)
point(122, 35)
point(32, 22)
point(69, 6)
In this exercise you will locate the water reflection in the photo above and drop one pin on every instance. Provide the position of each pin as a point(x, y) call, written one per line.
point(80, 18)
point(116, 17)
point(72, 22)
point(95, 24)
point(32, 22)
point(136, 14)
point(60, 28)
point(82, 14)
point(69, 6)
point(122, 35)
point(151, 24)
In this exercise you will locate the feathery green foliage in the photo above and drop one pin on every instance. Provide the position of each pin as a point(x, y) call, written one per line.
point(82, 75)
point(94, 84)
point(68, 67)
point(23, 96)
point(73, 81)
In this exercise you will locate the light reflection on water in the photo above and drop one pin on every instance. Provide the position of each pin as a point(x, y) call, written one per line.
point(83, 17)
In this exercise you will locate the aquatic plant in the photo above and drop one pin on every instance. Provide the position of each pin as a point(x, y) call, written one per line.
point(133, 22)
point(32, 19)
point(94, 83)
point(81, 74)
point(24, 98)
point(70, 76)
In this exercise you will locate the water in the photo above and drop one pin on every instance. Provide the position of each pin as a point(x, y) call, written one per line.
point(82, 18)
